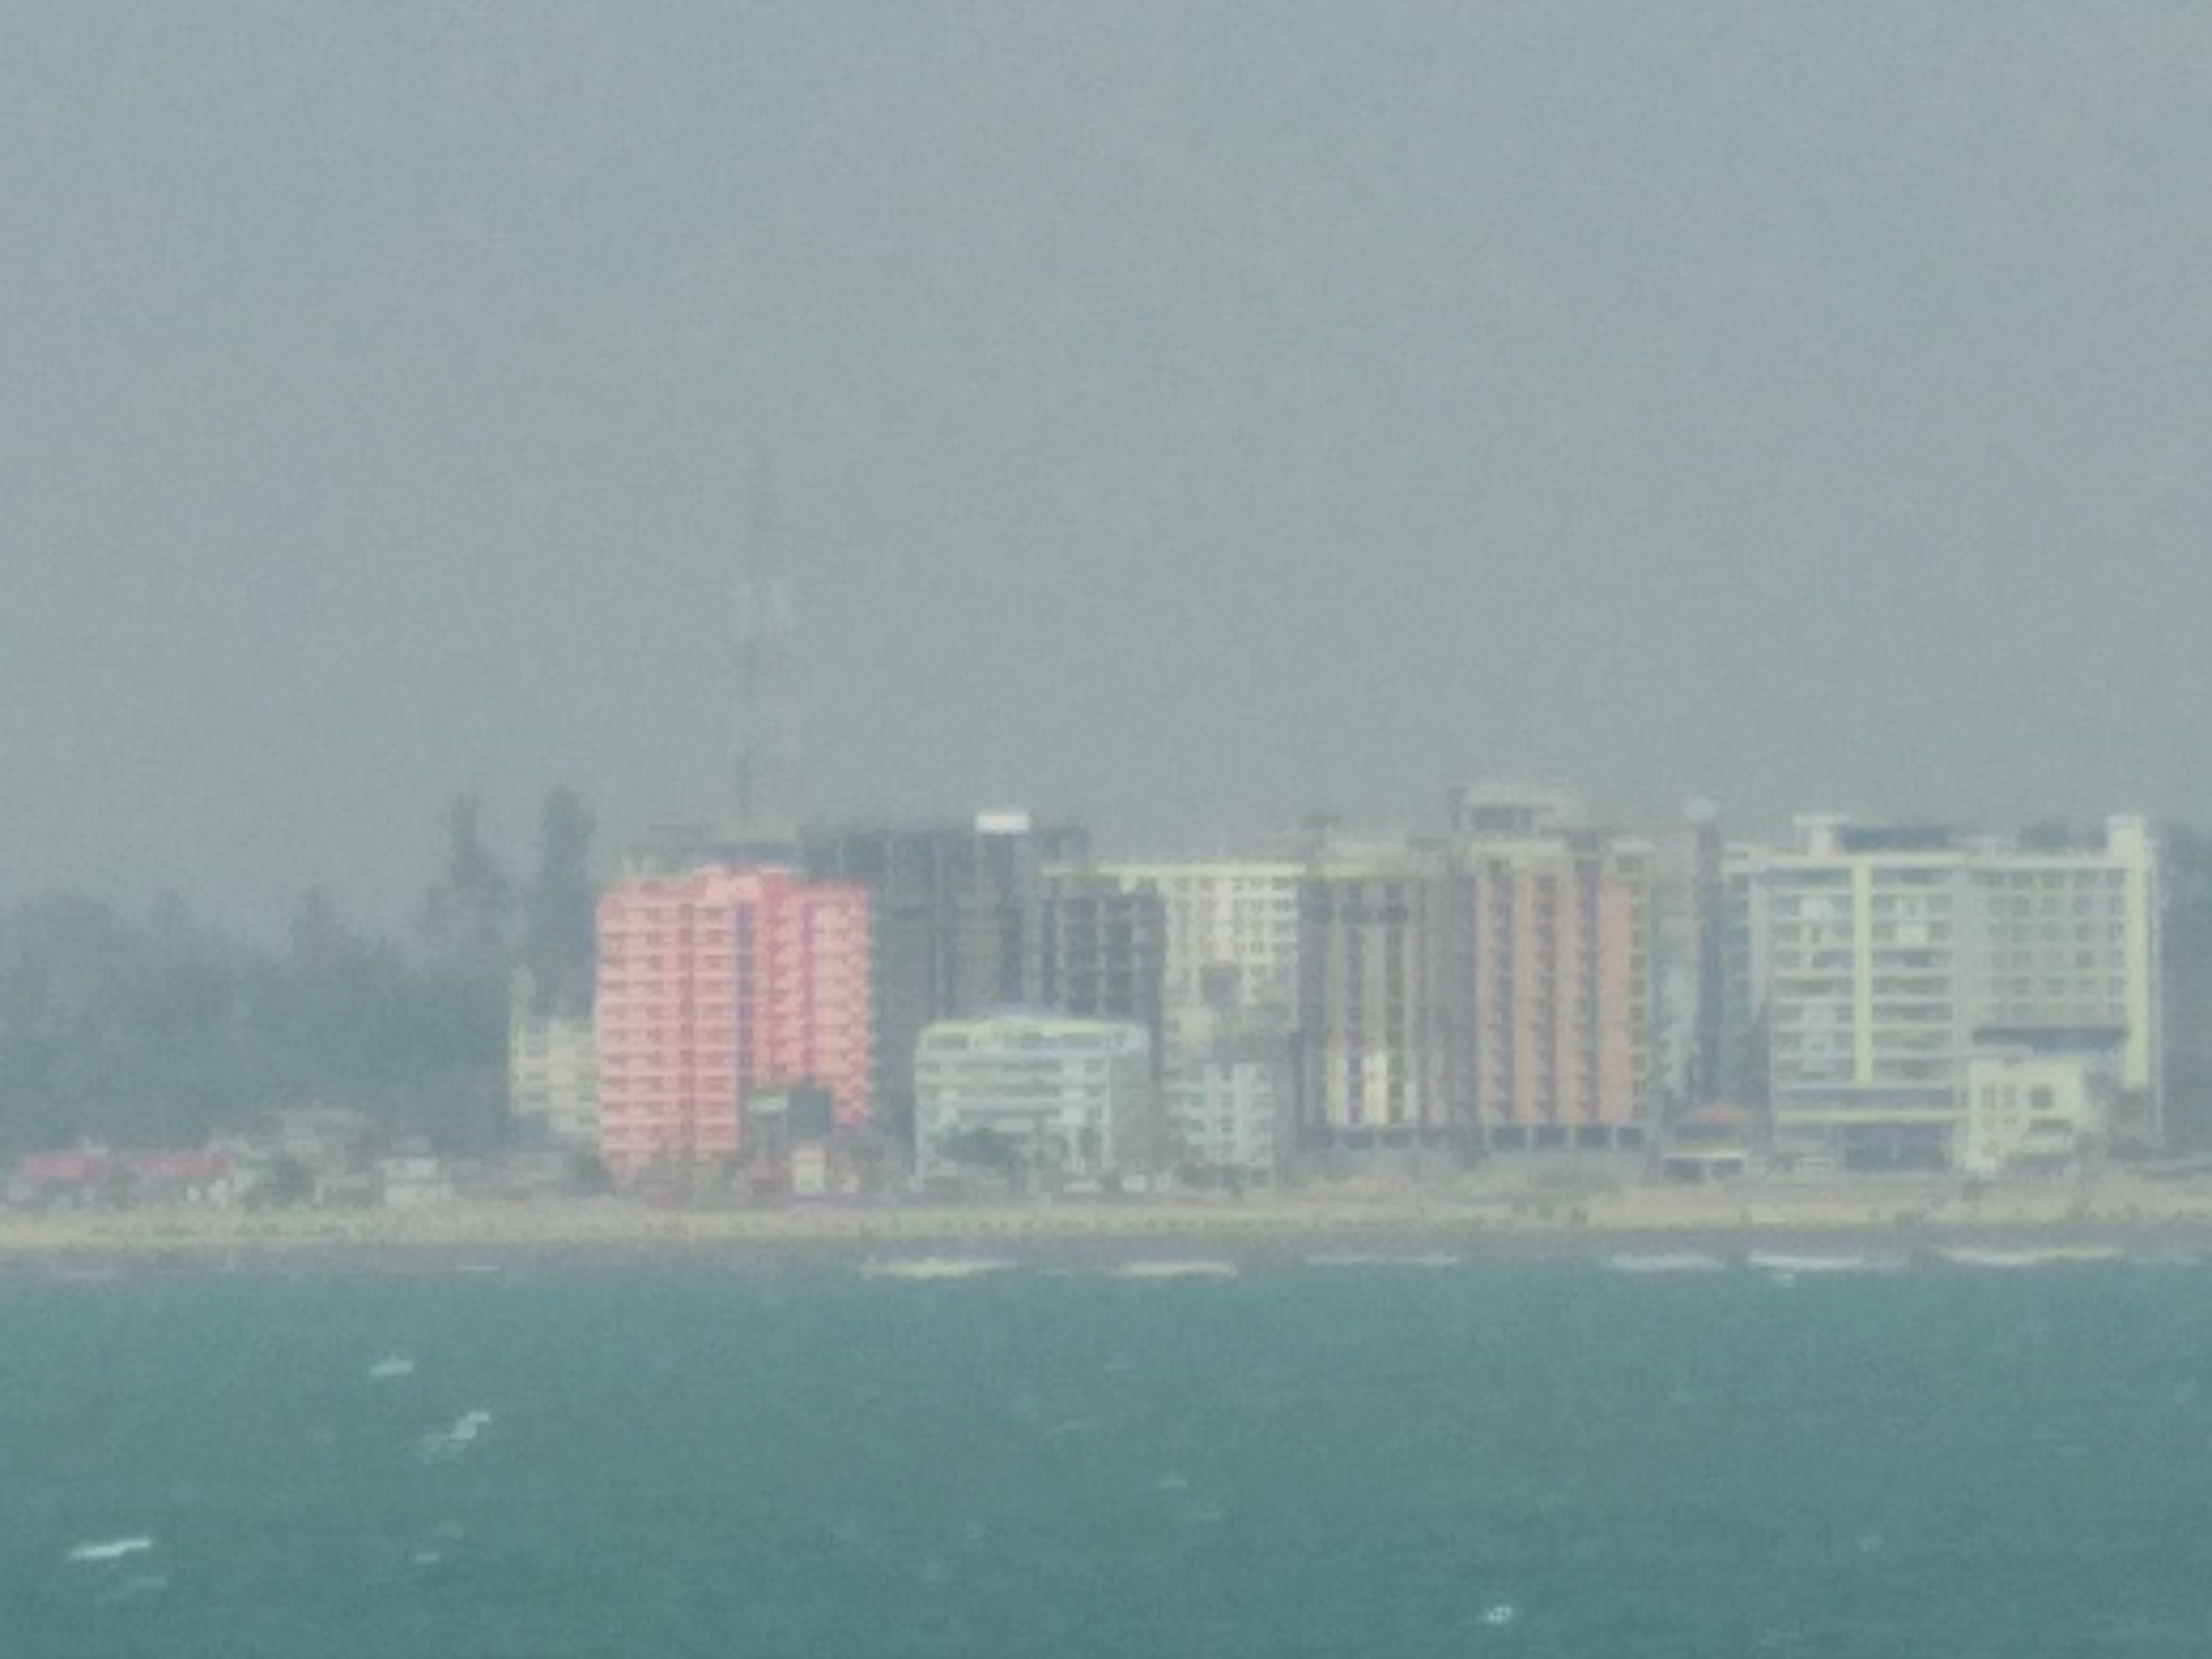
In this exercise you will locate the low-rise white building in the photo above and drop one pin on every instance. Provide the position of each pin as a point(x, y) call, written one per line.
point(1043, 1096)
point(412, 1178)
point(552, 1076)
point(2032, 1105)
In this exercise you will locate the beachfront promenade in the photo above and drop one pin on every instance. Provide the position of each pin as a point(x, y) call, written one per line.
point(1890, 1210)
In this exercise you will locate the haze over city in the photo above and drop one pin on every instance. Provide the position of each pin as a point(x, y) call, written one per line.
point(1182, 416)
point(1192, 830)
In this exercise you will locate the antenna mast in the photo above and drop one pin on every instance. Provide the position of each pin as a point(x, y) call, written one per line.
point(765, 751)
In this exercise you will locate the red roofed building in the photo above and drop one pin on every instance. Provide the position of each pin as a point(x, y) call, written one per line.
point(87, 1175)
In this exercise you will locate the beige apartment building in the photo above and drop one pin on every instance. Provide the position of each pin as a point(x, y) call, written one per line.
point(1492, 992)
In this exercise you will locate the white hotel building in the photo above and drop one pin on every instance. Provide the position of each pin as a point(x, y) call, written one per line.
point(1879, 961)
point(1075, 1099)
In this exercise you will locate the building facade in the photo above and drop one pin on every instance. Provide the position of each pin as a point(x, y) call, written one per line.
point(2036, 1101)
point(552, 1075)
point(1689, 960)
point(1376, 1007)
point(1056, 1100)
point(1228, 1098)
point(1553, 1041)
point(955, 917)
point(1493, 993)
point(1230, 935)
point(715, 981)
point(1100, 952)
point(1870, 956)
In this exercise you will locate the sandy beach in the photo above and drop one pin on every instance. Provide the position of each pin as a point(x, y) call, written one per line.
point(1750, 1217)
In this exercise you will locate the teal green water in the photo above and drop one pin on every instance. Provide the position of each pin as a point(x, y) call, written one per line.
point(1511, 1458)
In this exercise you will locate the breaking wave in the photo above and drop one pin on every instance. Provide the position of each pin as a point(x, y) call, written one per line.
point(1678, 1262)
point(1776, 1261)
point(441, 1443)
point(2048, 1257)
point(110, 1549)
point(933, 1267)
point(1175, 1270)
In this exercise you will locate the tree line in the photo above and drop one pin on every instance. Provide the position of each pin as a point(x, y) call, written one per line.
point(159, 1032)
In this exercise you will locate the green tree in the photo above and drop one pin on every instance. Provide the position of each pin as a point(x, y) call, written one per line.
point(587, 1176)
point(164, 1033)
point(1747, 1066)
point(557, 918)
point(468, 916)
point(288, 1184)
point(65, 1070)
point(989, 1151)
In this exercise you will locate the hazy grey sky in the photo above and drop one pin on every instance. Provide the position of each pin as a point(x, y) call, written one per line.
point(1187, 414)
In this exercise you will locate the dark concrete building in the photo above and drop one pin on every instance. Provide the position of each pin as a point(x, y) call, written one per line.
point(956, 922)
point(1101, 951)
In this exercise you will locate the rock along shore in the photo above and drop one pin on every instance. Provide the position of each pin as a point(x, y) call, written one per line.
point(1892, 1214)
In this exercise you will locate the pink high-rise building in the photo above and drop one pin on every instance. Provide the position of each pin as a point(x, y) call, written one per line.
point(716, 982)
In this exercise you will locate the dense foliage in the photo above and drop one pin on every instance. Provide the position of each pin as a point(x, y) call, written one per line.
point(158, 1032)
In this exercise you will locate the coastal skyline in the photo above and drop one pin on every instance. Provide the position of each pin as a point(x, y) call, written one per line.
point(1176, 424)
point(894, 826)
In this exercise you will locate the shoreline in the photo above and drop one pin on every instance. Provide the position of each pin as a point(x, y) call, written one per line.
point(1885, 1220)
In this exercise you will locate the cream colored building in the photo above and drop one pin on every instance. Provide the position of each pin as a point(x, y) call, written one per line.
point(1232, 934)
point(1873, 955)
point(552, 1076)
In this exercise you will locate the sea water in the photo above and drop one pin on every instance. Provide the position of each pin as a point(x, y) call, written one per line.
point(1523, 1458)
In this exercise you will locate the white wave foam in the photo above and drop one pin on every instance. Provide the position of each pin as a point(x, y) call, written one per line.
point(1680, 1261)
point(2050, 1256)
point(110, 1549)
point(1175, 1270)
point(933, 1267)
point(454, 1441)
point(1777, 1261)
point(390, 1367)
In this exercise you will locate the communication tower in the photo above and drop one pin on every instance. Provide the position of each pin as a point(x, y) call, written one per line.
point(765, 750)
